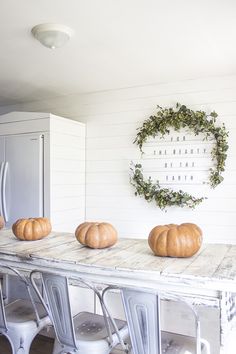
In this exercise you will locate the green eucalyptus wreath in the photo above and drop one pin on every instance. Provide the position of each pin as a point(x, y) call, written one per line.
point(159, 125)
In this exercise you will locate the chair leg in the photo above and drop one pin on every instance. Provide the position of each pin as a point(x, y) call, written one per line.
point(206, 346)
point(21, 344)
point(58, 349)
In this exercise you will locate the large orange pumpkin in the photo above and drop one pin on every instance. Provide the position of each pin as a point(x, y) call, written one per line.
point(31, 229)
point(175, 240)
point(1, 222)
point(96, 235)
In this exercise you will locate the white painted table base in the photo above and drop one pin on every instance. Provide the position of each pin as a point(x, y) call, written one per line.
point(204, 278)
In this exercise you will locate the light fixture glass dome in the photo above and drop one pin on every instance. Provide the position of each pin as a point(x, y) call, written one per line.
point(52, 35)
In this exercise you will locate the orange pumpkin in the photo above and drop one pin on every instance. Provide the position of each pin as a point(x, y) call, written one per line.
point(31, 229)
point(96, 235)
point(175, 240)
point(1, 222)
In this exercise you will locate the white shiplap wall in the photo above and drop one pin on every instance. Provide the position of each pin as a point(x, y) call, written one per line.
point(67, 173)
point(112, 118)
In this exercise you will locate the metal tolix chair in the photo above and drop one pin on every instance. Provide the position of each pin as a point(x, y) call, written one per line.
point(22, 319)
point(85, 332)
point(142, 311)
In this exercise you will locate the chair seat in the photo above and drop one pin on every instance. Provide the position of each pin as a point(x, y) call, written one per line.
point(91, 334)
point(176, 343)
point(85, 332)
point(21, 320)
point(90, 326)
point(21, 311)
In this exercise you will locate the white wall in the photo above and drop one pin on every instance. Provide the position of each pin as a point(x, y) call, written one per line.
point(111, 127)
point(112, 118)
point(67, 174)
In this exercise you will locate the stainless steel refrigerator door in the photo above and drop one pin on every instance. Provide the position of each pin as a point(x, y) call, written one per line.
point(2, 160)
point(2, 149)
point(23, 177)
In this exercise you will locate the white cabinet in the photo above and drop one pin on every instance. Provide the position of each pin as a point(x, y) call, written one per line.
point(44, 158)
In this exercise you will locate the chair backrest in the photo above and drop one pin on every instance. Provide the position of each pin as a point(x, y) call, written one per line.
point(25, 281)
point(142, 314)
point(3, 322)
point(142, 309)
point(58, 306)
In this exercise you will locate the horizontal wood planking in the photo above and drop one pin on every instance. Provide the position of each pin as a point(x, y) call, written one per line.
point(83, 107)
point(127, 255)
point(98, 130)
point(127, 141)
point(132, 153)
point(67, 152)
point(125, 190)
point(67, 177)
point(60, 226)
point(67, 203)
point(147, 106)
point(111, 129)
point(194, 86)
point(121, 177)
point(215, 218)
point(123, 165)
point(59, 164)
point(112, 118)
point(68, 190)
point(68, 219)
point(109, 202)
point(62, 126)
point(67, 173)
point(127, 262)
point(61, 138)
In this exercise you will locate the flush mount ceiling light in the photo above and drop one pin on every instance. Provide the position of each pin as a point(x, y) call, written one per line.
point(52, 35)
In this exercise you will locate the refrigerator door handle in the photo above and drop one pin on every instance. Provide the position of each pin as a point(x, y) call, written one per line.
point(1, 191)
point(4, 178)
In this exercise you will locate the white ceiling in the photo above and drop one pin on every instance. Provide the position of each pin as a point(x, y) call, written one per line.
point(117, 43)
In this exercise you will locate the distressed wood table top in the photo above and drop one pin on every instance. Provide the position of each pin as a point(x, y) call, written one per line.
point(130, 261)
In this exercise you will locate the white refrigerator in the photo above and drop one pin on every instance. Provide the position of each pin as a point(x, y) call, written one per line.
point(21, 176)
